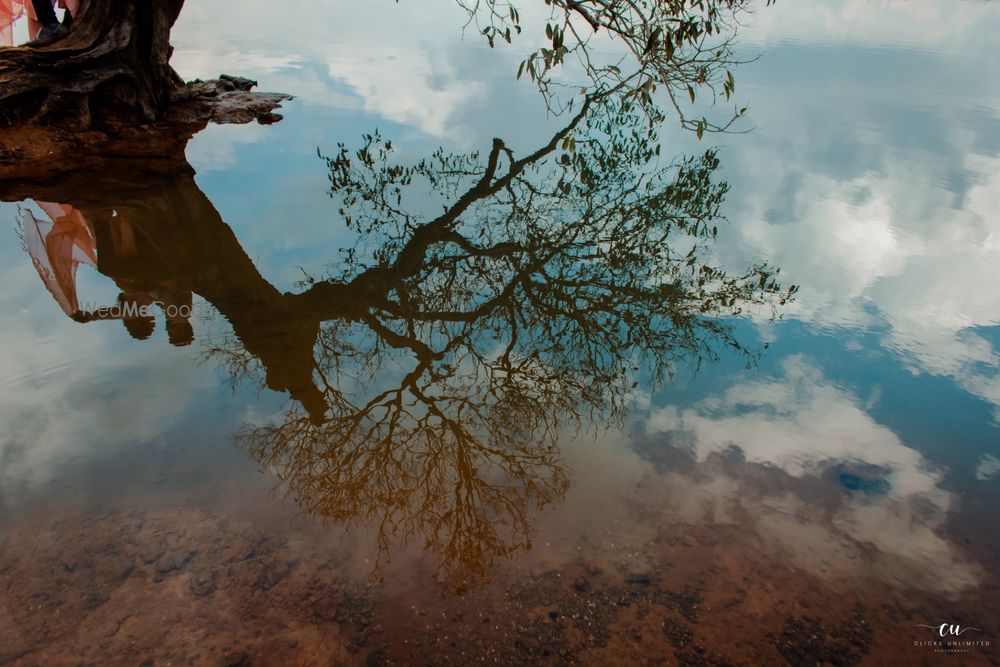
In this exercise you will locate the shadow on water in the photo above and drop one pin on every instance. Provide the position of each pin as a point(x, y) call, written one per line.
point(432, 371)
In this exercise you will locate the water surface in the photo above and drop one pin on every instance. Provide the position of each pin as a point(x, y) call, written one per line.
point(195, 492)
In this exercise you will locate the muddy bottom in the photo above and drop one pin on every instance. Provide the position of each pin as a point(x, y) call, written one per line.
point(190, 587)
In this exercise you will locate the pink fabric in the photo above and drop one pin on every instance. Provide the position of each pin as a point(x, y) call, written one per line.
point(57, 247)
point(11, 10)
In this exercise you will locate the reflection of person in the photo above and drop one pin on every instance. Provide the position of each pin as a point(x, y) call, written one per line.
point(134, 311)
point(43, 25)
point(135, 305)
point(59, 245)
point(176, 305)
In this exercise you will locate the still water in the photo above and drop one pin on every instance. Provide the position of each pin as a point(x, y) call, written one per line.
point(517, 445)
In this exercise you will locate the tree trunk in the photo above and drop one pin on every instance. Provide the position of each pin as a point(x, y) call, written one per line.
point(113, 68)
point(112, 73)
point(186, 247)
point(108, 89)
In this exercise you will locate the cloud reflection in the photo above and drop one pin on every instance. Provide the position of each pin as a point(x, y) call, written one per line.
point(884, 211)
point(60, 408)
point(886, 510)
point(392, 60)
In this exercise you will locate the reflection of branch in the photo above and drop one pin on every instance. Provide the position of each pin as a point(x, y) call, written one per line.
point(410, 258)
point(680, 46)
point(529, 304)
point(431, 478)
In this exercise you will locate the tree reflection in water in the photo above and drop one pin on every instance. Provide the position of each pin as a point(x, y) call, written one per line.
point(434, 370)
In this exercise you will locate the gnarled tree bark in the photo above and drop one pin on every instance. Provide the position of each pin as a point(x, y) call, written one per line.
point(108, 89)
point(113, 67)
point(112, 73)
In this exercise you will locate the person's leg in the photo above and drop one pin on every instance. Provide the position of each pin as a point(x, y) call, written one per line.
point(52, 30)
point(44, 12)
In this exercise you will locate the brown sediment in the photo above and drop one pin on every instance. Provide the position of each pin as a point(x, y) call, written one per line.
point(191, 587)
point(173, 587)
point(716, 601)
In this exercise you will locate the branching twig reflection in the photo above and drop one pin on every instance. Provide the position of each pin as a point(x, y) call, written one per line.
point(534, 301)
point(490, 304)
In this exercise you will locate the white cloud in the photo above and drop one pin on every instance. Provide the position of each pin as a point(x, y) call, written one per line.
point(805, 427)
point(988, 467)
point(214, 148)
point(948, 25)
point(872, 195)
point(397, 59)
point(73, 392)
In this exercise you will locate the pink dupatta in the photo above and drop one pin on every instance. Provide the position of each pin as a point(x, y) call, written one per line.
point(12, 10)
point(57, 247)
